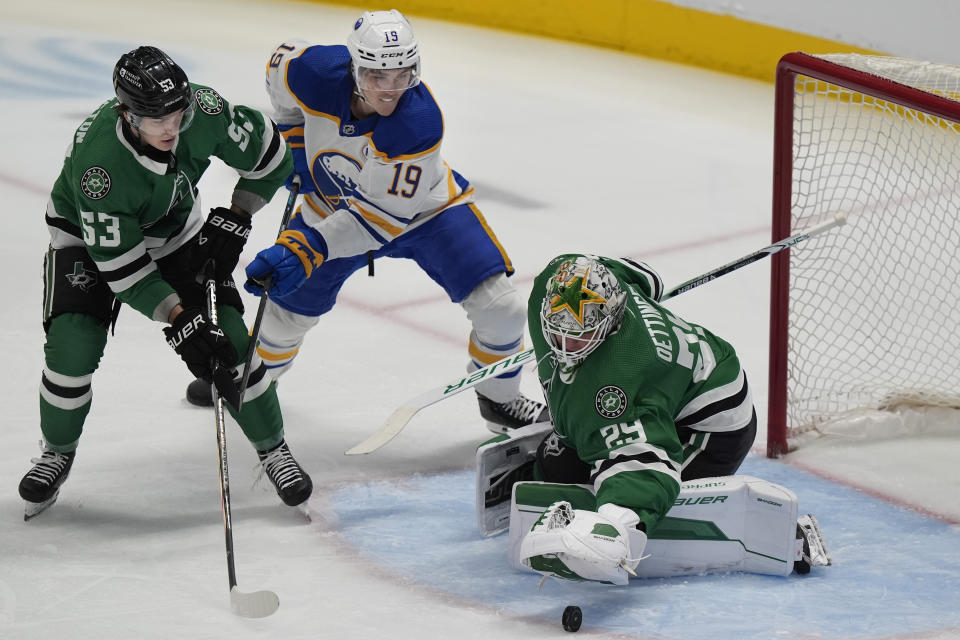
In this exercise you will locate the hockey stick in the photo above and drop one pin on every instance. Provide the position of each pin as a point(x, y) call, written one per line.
point(255, 332)
point(403, 414)
point(258, 604)
point(769, 250)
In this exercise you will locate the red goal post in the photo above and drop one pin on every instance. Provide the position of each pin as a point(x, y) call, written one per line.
point(864, 319)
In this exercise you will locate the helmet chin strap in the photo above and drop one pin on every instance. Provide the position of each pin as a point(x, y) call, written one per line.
point(360, 109)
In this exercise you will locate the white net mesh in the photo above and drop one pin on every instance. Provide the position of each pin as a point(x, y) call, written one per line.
point(873, 305)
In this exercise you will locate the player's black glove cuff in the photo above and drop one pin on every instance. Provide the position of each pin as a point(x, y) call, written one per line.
point(221, 238)
point(200, 343)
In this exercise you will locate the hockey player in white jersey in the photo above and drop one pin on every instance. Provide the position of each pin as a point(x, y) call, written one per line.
point(366, 134)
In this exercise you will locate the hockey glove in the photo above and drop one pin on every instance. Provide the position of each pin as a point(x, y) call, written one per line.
point(284, 267)
point(575, 544)
point(199, 342)
point(221, 238)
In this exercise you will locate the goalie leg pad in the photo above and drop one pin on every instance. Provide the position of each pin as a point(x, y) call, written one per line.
point(723, 524)
point(812, 551)
point(502, 462)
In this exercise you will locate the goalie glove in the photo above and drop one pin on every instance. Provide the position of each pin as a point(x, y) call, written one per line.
point(221, 239)
point(580, 545)
point(284, 267)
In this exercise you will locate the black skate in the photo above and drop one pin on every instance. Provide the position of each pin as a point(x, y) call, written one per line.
point(199, 393)
point(814, 553)
point(41, 486)
point(291, 481)
point(519, 412)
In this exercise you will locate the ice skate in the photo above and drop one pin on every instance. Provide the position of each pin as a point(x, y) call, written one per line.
point(40, 487)
point(519, 412)
point(199, 393)
point(292, 483)
point(815, 552)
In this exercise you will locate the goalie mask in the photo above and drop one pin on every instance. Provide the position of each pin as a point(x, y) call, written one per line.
point(383, 52)
point(583, 305)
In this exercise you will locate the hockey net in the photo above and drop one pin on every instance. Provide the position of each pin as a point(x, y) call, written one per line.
point(864, 338)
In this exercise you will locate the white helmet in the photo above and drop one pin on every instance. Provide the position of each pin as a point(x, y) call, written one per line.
point(583, 304)
point(384, 40)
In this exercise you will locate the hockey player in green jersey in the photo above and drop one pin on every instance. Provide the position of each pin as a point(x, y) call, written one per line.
point(126, 227)
point(640, 400)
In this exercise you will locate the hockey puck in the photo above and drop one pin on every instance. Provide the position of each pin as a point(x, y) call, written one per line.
point(572, 617)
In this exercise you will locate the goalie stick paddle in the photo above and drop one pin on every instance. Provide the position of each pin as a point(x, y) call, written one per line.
point(255, 331)
point(257, 604)
point(403, 414)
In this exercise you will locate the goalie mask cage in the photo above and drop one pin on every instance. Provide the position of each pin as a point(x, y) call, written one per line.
point(864, 318)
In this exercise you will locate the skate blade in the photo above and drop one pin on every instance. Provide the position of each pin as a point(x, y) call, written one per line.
point(819, 556)
point(497, 428)
point(33, 509)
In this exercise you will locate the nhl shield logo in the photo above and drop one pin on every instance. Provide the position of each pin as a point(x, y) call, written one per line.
point(95, 183)
point(611, 402)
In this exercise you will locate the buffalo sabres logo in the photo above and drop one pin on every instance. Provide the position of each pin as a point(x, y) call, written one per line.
point(209, 101)
point(81, 277)
point(611, 402)
point(95, 183)
point(337, 176)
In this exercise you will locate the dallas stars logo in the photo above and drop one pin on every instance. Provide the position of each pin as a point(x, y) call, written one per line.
point(209, 101)
point(81, 277)
point(572, 295)
point(611, 401)
point(95, 183)
point(551, 446)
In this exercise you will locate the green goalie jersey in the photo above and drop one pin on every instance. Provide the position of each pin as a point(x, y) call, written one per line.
point(622, 408)
point(131, 207)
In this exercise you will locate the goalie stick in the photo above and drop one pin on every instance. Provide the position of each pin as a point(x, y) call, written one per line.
point(257, 604)
point(403, 414)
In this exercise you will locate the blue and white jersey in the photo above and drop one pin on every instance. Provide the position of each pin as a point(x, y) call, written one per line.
point(375, 178)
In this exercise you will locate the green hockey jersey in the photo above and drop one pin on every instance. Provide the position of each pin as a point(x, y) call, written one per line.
point(130, 207)
point(621, 408)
